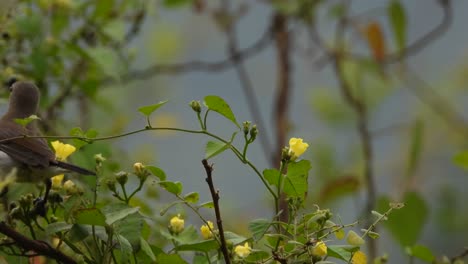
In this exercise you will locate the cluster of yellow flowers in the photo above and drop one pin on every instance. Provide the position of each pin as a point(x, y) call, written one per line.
point(62, 151)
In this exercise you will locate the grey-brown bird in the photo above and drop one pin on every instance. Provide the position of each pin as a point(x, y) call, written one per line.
point(31, 158)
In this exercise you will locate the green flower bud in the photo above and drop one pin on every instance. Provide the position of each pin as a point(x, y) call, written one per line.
point(111, 185)
point(246, 127)
point(122, 177)
point(16, 213)
point(196, 106)
point(285, 154)
point(98, 158)
point(253, 133)
point(53, 219)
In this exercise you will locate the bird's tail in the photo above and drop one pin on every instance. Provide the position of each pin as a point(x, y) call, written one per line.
point(74, 168)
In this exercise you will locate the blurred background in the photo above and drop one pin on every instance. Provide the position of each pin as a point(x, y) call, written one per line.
point(96, 62)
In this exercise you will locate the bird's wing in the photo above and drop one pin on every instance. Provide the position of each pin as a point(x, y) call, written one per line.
point(31, 151)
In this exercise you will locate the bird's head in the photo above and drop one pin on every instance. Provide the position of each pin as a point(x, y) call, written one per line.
point(24, 99)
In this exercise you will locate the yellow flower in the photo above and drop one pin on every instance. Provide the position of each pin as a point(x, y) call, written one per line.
point(340, 234)
point(297, 147)
point(57, 181)
point(243, 251)
point(354, 239)
point(320, 249)
point(176, 224)
point(62, 151)
point(359, 258)
point(70, 187)
point(138, 167)
point(206, 230)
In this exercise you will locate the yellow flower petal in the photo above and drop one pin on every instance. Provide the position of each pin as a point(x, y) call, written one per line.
point(62, 151)
point(206, 230)
point(297, 146)
point(57, 181)
point(243, 251)
point(320, 249)
point(359, 258)
point(176, 224)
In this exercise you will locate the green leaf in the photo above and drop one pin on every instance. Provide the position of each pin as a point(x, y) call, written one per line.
point(417, 137)
point(208, 204)
point(172, 187)
point(107, 60)
point(338, 188)
point(271, 176)
point(77, 233)
point(126, 249)
point(164, 210)
point(192, 197)
point(146, 248)
point(421, 252)
point(461, 159)
point(149, 109)
point(406, 223)
point(89, 216)
point(234, 238)
point(258, 256)
point(259, 227)
point(113, 217)
point(164, 258)
point(57, 227)
point(25, 121)
point(156, 172)
point(214, 148)
point(397, 16)
point(295, 183)
point(176, 3)
point(203, 246)
point(217, 104)
point(342, 252)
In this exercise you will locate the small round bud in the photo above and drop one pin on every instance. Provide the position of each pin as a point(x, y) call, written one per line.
point(71, 188)
point(176, 224)
point(196, 106)
point(140, 171)
point(122, 177)
point(53, 219)
point(285, 154)
point(253, 133)
point(246, 127)
point(111, 185)
point(16, 213)
point(99, 158)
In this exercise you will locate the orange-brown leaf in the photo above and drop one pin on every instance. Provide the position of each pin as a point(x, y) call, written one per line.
point(375, 40)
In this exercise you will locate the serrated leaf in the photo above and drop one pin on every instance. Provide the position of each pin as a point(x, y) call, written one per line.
point(25, 121)
point(271, 176)
point(57, 227)
point(259, 227)
point(113, 217)
point(192, 197)
point(172, 187)
point(234, 238)
point(126, 249)
point(214, 148)
point(295, 182)
point(461, 159)
point(406, 224)
point(149, 109)
point(342, 252)
point(77, 233)
point(217, 104)
point(156, 172)
point(397, 16)
point(421, 252)
point(146, 248)
point(89, 216)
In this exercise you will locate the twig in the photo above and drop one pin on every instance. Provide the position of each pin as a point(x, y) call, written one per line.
point(196, 65)
point(246, 84)
point(215, 197)
point(462, 255)
point(39, 247)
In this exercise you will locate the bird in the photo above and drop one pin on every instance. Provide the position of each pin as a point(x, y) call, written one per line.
point(21, 147)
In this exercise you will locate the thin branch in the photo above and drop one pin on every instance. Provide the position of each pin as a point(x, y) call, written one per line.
point(428, 95)
point(39, 247)
point(196, 65)
point(215, 197)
